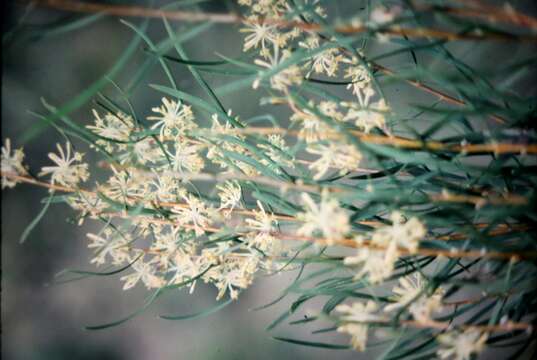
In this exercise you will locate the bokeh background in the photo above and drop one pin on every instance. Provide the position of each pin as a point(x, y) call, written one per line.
point(43, 320)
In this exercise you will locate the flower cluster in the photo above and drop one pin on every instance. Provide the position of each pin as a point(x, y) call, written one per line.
point(378, 260)
point(11, 164)
point(274, 45)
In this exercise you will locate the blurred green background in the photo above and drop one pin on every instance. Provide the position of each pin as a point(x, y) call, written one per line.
point(44, 321)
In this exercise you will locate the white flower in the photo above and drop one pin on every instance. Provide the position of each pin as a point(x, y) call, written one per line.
point(263, 222)
point(11, 164)
point(260, 34)
point(460, 346)
point(174, 119)
point(327, 217)
point(326, 62)
point(291, 75)
point(410, 292)
point(112, 127)
point(312, 128)
point(233, 273)
point(382, 15)
point(108, 245)
point(66, 172)
point(195, 212)
point(230, 196)
point(186, 157)
point(379, 264)
point(406, 234)
point(184, 268)
point(376, 264)
point(276, 150)
point(142, 271)
point(343, 157)
point(361, 83)
point(355, 321)
point(88, 204)
point(126, 185)
point(367, 118)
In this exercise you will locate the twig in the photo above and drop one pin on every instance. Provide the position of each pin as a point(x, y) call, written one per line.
point(453, 253)
point(230, 18)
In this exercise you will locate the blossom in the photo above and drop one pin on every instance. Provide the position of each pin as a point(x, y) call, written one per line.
point(174, 119)
point(361, 83)
point(263, 221)
point(230, 196)
point(282, 79)
point(355, 321)
point(381, 15)
point(184, 267)
point(262, 227)
point(11, 164)
point(186, 157)
point(143, 271)
point(66, 172)
point(194, 212)
point(259, 34)
point(411, 292)
point(405, 234)
point(327, 217)
point(88, 204)
point(344, 157)
point(108, 245)
point(312, 128)
point(276, 150)
point(461, 345)
point(367, 118)
point(379, 264)
point(126, 185)
point(112, 127)
point(326, 62)
point(232, 273)
point(376, 264)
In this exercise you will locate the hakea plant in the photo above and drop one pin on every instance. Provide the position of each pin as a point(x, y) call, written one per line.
point(419, 220)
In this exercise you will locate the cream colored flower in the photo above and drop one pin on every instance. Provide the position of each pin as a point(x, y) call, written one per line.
point(185, 157)
point(276, 150)
point(145, 272)
point(259, 34)
point(342, 157)
point(195, 212)
point(112, 127)
point(410, 292)
point(461, 346)
point(284, 78)
point(361, 83)
point(108, 244)
point(263, 221)
point(174, 119)
point(405, 234)
point(378, 265)
point(66, 172)
point(327, 218)
point(126, 185)
point(355, 321)
point(11, 164)
point(367, 118)
point(326, 62)
point(230, 196)
point(184, 268)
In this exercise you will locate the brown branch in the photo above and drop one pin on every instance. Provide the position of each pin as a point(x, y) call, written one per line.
point(405, 143)
point(230, 18)
point(508, 326)
point(137, 11)
point(293, 237)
